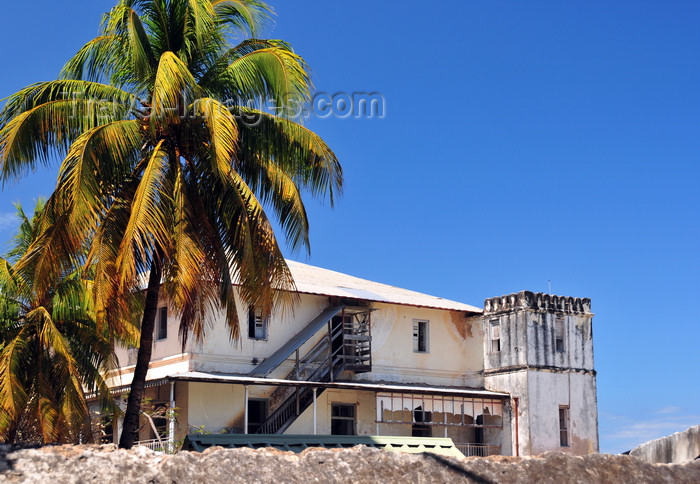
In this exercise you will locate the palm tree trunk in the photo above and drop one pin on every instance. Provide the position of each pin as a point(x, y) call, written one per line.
point(130, 427)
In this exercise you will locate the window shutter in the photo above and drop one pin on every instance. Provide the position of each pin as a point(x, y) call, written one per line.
point(251, 323)
point(415, 336)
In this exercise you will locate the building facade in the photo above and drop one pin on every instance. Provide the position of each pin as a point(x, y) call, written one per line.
point(356, 357)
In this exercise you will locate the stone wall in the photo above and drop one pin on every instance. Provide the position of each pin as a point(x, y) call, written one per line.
point(678, 447)
point(105, 464)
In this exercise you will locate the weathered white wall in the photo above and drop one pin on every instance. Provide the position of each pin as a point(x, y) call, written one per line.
point(530, 368)
point(547, 391)
point(673, 449)
point(365, 408)
point(219, 354)
point(215, 407)
point(454, 356)
point(578, 341)
point(516, 385)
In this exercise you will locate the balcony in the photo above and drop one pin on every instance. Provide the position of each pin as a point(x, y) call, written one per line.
point(478, 450)
point(156, 446)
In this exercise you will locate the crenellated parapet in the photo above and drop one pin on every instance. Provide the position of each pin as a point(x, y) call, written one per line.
point(537, 301)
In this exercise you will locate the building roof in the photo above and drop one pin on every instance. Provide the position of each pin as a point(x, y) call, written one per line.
point(324, 282)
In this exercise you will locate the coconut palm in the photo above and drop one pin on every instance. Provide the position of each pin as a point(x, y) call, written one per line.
point(176, 145)
point(50, 352)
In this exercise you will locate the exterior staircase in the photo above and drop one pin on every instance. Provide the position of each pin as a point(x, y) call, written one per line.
point(347, 345)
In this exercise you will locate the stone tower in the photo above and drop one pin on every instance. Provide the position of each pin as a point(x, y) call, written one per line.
point(539, 348)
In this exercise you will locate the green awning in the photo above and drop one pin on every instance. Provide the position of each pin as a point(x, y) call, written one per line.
point(297, 443)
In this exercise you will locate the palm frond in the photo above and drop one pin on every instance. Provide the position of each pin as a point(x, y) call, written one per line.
point(13, 394)
point(49, 129)
point(222, 134)
point(294, 148)
point(247, 16)
point(150, 218)
point(266, 70)
point(96, 61)
point(62, 90)
point(124, 25)
point(174, 85)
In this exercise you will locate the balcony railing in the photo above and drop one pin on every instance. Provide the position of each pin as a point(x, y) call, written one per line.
point(155, 445)
point(478, 450)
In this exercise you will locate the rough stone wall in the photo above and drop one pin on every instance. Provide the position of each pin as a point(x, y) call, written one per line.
point(105, 464)
point(678, 447)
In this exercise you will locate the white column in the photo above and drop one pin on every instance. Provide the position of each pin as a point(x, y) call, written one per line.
point(245, 413)
point(171, 423)
point(314, 390)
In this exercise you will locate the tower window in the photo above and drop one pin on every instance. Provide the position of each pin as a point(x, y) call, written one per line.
point(564, 425)
point(420, 336)
point(257, 325)
point(495, 336)
point(162, 324)
point(559, 335)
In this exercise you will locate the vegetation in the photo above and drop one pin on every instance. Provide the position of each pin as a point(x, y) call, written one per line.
point(170, 162)
point(50, 351)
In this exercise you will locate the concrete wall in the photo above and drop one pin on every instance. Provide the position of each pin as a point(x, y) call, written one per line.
point(539, 395)
point(364, 407)
point(546, 392)
point(578, 340)
point(218, 353)
point(676, 448)
point(542, 377)
point(454, 356)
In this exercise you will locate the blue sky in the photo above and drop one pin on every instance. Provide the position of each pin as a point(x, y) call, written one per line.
point(522, 142)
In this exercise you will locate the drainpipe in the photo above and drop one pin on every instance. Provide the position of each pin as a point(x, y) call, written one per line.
point(515, 410)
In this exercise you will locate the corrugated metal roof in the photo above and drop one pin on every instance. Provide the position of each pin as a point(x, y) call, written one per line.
point(315, 280)
point(298, 443)
point(356, 385)
point(324, 282)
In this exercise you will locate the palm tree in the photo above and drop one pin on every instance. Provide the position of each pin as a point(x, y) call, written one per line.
point(50, 352)
point(176, 143)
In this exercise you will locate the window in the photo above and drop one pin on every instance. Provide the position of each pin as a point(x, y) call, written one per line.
point(495, 336)
point(420, 428)
point(559, 335)
point(420, 336)
point(257, 414)
point(162, 324)
point(343, 419)
point(564, 425)
point(257, 325)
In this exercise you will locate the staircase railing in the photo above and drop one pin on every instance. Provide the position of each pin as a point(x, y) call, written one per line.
point(293, 406)
point(320, 364)
point(344, 346)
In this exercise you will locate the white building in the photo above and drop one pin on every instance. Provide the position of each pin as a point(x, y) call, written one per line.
point(364, 358)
